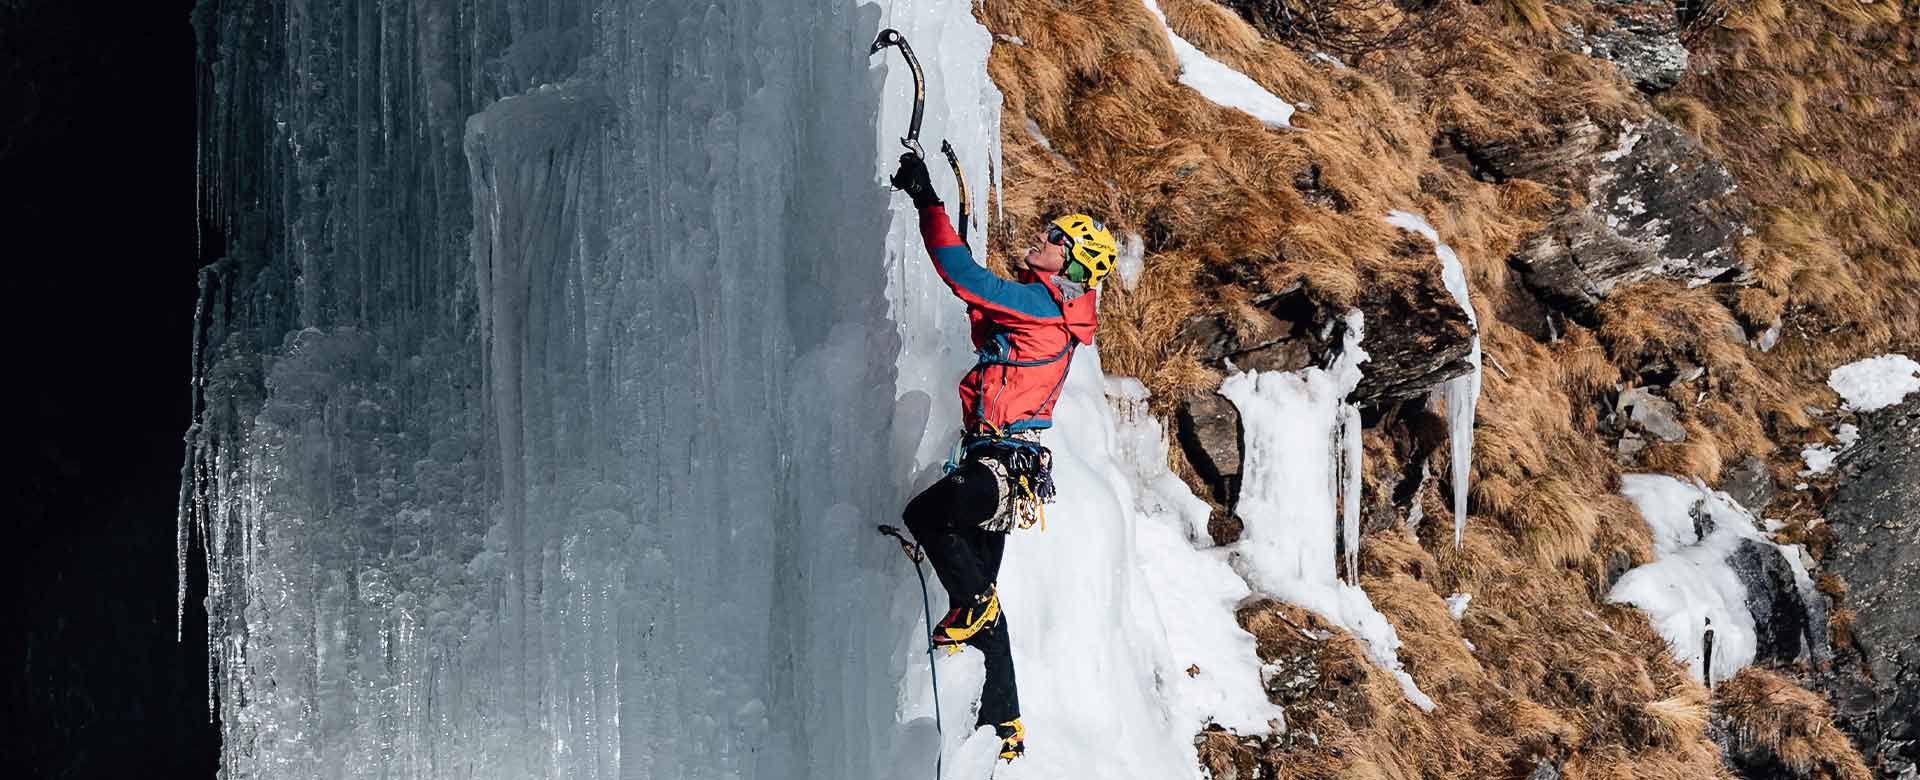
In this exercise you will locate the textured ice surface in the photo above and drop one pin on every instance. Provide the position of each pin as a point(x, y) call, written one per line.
point(548, 384)
point(1221, 84)
point(1212, 673)
point(1877, 382)
point(1689, 581)
point(1297, 443)
point(1461, 393)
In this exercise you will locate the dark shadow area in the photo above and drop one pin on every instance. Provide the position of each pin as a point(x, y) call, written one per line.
point(96, 214)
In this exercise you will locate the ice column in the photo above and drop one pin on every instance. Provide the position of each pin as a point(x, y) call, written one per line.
point(1462, 393)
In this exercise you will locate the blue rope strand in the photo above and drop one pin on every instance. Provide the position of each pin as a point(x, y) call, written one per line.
point(933, 669)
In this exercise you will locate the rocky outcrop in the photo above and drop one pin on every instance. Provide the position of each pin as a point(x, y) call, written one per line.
point(1875, 521)
point(1209, 435)
point(1651, 413)
point(1416, 339)
point(1641, 38)
point(1642, 202)
point(1784, 617)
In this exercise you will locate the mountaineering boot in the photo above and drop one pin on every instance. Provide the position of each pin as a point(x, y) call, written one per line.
point(964, 621)
point(1013, 740)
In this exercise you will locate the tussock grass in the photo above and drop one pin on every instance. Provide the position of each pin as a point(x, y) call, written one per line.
point(1772, 717)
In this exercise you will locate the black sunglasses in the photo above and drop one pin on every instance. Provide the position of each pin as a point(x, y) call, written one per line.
point(1058, 237)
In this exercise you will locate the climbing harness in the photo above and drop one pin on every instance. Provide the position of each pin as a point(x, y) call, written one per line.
point(915, 554)
point(1022, 469)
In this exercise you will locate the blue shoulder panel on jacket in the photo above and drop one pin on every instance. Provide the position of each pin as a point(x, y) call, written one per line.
point(969, 277)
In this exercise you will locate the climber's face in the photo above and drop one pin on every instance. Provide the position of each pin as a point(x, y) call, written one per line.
point(1046, 256)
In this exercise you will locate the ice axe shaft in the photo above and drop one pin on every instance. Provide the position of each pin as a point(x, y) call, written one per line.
point(966, 213)
point(892, 37)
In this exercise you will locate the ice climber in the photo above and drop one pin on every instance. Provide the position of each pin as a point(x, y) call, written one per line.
point(1024, 332)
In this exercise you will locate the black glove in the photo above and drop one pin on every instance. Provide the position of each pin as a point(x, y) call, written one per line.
point(912, 177)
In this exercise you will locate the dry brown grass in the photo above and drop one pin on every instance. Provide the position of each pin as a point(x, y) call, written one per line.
point(1813, 107)
point(1774, 718)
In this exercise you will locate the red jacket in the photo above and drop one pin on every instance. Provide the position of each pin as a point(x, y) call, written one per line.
point(1024, 330)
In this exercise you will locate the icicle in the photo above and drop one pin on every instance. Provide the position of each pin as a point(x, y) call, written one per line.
point(1462, 393)
point(1350, 476)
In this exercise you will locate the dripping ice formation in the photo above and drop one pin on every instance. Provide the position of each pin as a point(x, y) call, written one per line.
point(1691, 579)
point(561, 361)
point(1297, 500)
point(1461, 393)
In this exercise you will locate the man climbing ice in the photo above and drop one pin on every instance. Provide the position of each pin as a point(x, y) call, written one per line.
point(1025, 332)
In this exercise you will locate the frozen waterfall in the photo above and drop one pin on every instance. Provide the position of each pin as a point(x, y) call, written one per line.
point(545, 383)
point(561, 359)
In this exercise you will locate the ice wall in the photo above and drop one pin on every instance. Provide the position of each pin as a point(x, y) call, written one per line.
point(547, 388)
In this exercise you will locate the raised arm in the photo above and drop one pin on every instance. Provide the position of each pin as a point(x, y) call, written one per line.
point(951, 258)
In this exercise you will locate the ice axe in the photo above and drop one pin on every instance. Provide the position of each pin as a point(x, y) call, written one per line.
point(892, 37)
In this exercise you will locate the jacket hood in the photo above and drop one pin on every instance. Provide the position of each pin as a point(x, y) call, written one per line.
point(1079, 305)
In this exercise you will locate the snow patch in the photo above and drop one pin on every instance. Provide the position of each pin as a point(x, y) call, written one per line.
point(1457, 604)
point(1217, 675)
point(1820, 457)
point(1221, 84)
point(1877, 382)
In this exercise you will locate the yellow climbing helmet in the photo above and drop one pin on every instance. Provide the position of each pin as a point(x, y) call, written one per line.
point(1090, 249)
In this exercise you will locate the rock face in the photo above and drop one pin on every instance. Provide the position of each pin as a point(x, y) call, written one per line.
point(1415, 339)
point(1652, 413)
point(1643, 41)
point(1783, 620)
point(1750, 484)
point(1642, 202)
point(1209, 435)
point(1875, 518)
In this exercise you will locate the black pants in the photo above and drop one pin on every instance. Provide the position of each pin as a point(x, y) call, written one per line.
point(945, 518)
